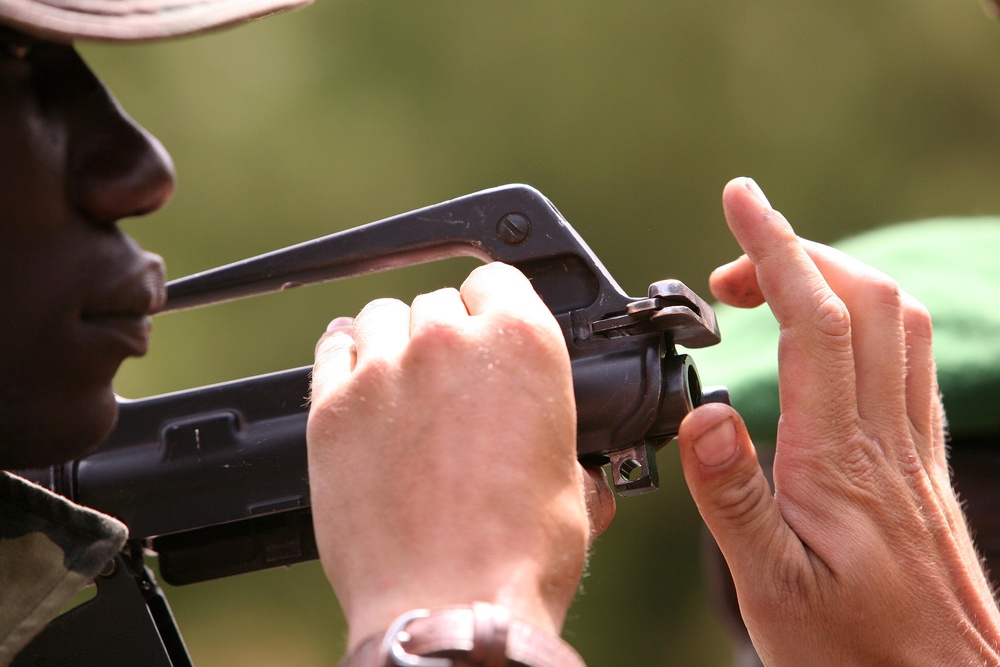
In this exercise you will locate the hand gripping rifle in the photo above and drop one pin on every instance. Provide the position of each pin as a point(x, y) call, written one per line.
point(214, 480)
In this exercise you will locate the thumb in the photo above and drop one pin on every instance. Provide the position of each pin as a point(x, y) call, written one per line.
point(728, 486)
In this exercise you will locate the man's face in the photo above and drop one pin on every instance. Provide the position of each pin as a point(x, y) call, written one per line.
point(77, 292)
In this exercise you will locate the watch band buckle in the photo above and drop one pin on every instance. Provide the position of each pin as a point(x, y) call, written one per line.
point(397, 634)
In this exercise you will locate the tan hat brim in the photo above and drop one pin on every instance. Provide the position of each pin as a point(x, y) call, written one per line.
point(132, 20)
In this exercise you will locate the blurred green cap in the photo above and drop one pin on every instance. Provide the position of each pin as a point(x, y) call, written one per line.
point(952, 265)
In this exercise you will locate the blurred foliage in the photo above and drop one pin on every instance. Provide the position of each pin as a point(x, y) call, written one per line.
point(630, 116)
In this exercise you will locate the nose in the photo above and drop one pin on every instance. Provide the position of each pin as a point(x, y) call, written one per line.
point(119, 170)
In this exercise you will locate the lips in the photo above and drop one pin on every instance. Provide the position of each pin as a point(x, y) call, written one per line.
point(122, 309)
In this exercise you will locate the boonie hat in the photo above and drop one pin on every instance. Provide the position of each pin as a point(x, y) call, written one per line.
point(131, 20)
point(951, 265)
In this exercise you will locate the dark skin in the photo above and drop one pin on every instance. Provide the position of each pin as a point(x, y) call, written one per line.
point(78, 291)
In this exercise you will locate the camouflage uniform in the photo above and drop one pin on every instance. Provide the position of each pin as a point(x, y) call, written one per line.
point(50, 548)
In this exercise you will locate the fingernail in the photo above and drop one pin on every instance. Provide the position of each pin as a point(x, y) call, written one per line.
point(717, 445)
point(757, 192)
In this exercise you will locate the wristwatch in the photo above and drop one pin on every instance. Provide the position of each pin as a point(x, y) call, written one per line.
point(476, 635)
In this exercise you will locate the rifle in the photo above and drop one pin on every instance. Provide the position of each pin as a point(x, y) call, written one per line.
point(214, 481)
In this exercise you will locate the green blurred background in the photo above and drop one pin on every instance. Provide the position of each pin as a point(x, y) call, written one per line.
point(629, 115)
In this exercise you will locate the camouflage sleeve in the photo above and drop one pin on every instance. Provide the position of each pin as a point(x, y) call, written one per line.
point(49, 549)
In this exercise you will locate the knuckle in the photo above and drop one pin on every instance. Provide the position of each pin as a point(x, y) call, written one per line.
point(380, 305)
point(827, 331)
point(505, 322)
point(740, 501)
point(534, 328)
point(490, 273)
point(383, 302)
point(535, 338)
point(377, 371)
point(498, 268)
point(917, 317)
point(445, 291)
point(440, 294)
point(831, 317)
point(331, 343)
point(882, 293)
point(857, 475)
point(436, 339)
point(792, 586)
point(883, 288)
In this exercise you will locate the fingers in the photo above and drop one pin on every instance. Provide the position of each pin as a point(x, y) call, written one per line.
point(876, 306)
point(730, 490)
point(428, 400)
point(878, 338)
point(336, 356)
point(600, 500)
point(735, 284)
point(815, 357)
point(501, 299)
point(889, 337)
point(501, 288)
point(921, 375)
point(923, 402)
point(443, 305)
point(381, 330)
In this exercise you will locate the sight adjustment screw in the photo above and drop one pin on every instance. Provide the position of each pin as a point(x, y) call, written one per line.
point(513, 228)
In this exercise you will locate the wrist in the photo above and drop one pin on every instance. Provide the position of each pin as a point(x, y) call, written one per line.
point(378, 616)
point(530, 597)
point(480, 634)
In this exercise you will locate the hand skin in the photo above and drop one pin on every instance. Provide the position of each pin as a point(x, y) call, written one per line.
point(442, 457)
point(862, 555)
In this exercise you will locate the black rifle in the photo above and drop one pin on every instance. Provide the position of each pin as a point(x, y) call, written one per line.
point(214, 480)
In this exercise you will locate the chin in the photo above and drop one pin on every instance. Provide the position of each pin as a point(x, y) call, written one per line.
point(37, 433)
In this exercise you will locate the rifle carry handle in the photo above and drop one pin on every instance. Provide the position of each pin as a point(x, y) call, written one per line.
point(214, 479)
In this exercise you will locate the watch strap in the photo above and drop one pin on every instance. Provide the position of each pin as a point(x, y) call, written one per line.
point(477, 635)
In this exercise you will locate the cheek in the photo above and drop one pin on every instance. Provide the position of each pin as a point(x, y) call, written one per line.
point(56, 398)
point(43, 430)
point(34, 188)
point(39, 245)
point(35, 322)
point(54, 405)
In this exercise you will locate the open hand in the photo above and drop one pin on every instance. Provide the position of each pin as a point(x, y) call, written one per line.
point(862, 555)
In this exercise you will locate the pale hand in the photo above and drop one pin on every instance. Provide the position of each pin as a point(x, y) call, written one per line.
point(862, 555)
point(442, 457)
